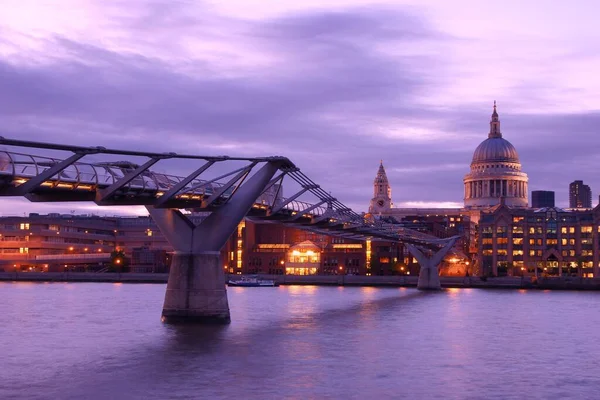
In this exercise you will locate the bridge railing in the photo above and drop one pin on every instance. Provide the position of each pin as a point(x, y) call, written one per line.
point(126, 178)
point(89, 176)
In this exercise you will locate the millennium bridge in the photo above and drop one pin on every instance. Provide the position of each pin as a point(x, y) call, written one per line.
point(227, 188)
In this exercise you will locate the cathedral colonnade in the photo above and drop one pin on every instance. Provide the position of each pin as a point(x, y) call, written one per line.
point(495, 174)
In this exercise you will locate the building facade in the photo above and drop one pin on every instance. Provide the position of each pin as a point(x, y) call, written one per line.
point(266, 248)
point(57, 242)
point(542, 198)
point(536, 242)
point(60, 243)
point(580, 195)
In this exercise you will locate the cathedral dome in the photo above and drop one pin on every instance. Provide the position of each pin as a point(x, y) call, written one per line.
point(495, 149)
point(496, 174)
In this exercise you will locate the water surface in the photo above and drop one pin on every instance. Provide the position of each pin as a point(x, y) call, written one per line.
point(102, 340)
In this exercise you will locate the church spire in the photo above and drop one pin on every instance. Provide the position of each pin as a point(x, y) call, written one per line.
point(382, 192)
point(495, 124)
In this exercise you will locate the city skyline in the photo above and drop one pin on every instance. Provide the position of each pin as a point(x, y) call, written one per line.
point(411, 83)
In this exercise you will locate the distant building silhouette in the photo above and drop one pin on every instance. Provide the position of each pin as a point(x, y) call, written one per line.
point(542, 198)
point(580, 195)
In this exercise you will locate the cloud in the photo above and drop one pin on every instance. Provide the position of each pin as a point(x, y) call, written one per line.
point(335, 91)
point(317, 102)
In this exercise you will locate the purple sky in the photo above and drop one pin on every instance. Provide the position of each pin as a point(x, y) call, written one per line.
point(334, 85)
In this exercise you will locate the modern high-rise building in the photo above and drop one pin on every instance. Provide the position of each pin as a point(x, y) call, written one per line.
point(542, 198)
point(580, 195)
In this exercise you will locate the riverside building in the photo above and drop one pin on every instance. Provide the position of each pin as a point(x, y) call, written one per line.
point(60, 243)
point(547, 241)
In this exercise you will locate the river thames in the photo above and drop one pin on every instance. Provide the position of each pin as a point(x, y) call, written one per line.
point(106, 341)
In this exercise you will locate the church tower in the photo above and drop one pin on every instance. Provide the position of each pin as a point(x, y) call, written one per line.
point(382, 193)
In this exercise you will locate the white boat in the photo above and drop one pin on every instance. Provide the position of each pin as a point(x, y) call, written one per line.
point(252, 282)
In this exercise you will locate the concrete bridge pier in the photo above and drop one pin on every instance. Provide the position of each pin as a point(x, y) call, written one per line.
point(196, 290)
point(429, 277)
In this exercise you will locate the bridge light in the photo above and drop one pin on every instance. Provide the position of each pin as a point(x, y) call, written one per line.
point(281, 262)
point(71, 248)
point(86, 249)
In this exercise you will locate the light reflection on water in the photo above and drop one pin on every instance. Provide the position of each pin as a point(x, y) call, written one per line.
point(88, 340)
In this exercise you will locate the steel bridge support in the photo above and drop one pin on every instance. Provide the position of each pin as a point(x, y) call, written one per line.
point(429, 277)
point(196, 291)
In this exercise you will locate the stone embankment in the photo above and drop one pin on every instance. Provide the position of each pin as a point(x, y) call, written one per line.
point(571, 283)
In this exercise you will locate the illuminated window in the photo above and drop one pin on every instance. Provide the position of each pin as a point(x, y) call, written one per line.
point(563, 229)
point(348, 246)
point(563, 242)
point(586, 229)
point(384, 260)
point(517, 252)
point(24, 226)
point(572, 253)
point(538, 253)
point(564, 253)
point(552, 241)
point(518, 219)
point(531, 242)
point(486, 241)
point(572, 242)
point(149, 232)
point(502, 240)
point(518, 241)
point(24, 250)
point(539, 242)
point(571, 229)
point(487, 252)
point(587, 253)
point(531, 253)
point(502, 252)
point(531, 230)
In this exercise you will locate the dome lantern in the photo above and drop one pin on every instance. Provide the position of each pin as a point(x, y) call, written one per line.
point(495, 124)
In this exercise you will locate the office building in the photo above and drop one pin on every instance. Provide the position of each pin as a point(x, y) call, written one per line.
point(542, 198)
point(580, 195)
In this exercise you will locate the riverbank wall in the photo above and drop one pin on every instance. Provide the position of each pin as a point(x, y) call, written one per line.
point(565, 283)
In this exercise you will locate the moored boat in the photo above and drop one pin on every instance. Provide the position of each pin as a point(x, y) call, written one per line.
point(252, 282)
